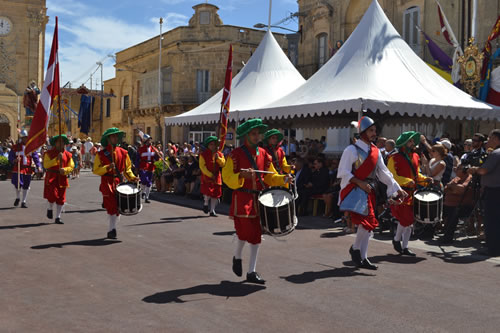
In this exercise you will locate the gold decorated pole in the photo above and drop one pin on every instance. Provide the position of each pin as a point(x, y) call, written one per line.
point(471, 63)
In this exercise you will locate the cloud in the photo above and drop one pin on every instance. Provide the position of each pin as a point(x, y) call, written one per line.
point(171, 20)
point(67, 7)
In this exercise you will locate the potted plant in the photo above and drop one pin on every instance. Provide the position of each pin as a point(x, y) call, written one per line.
point(157, 175)
point(4, 167)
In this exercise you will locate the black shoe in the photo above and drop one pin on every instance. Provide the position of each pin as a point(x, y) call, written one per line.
point(58, 221)
point(254, 277)
point(112, 234)
point(368, 265)
point(147, 201)
point(407, 252)
point(16, 202)
point(23, 205)
point(102, 205)
point(49, 214)
point(237, 269)
point(397, 246)
point(205, 209)
point(213, 214)
point(355, 256)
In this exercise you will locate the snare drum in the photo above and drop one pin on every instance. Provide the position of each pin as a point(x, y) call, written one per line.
point(277, 211)
point(428, 206)
point(128, 196)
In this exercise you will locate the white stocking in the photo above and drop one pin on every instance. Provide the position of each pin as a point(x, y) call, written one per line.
point(406, 236)
point(205, 200)
point(18, 193)
point(239, 248)
point(213, 204)
point(112, 222)
point(25, 195)
point(59, 211)
point(51, 206)
point(143, 188)
point(399, 232)
point(254, 250)
point(148, 190)
point(360, 236)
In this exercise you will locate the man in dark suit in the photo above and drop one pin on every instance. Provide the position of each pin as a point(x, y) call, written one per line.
point(303, 177)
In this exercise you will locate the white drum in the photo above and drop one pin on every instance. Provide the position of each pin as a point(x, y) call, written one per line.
point(428, 206)
point(128, 196)
point(277, 211)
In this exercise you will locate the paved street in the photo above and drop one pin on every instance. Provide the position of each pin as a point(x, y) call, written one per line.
point(170, 271)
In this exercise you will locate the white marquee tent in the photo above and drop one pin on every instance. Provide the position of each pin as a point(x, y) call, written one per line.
point(267, 76)
point(376, 70)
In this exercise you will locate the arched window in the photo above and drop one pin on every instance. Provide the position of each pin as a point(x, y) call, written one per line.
point(322, 49)
point(411, 19)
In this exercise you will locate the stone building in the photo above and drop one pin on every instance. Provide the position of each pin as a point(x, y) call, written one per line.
point(324, 22)
point(193, 66)
point(22, 41)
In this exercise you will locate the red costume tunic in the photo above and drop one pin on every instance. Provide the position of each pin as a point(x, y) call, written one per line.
point(244, 206)
point(210, 186)
point(404, 174)
point(55, 184)
point(109, 178)
point(26, 160)
point(279, 159)
point(147, 155)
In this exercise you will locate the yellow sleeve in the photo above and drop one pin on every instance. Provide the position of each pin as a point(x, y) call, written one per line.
point(99, 169)
point(421, 179)
point(285, 166)
point(221, 161)
point(48, 162)
point(128, 170)
point(203, 167)
point(70, 167)
point(274, 179)
point(402, 181)
point(231, 179)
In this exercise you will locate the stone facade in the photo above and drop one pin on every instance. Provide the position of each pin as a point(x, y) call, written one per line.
point(22, 57)
point(193, 63)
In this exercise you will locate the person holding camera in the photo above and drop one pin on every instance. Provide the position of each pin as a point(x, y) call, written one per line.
point(490, 181)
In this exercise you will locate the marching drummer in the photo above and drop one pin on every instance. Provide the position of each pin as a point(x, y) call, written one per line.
point(146, 156)
point(111, 162)
point(241, 173)
point(59, 164)
point(360, 165)
point(272, 141)
point(211, 162)
point(404, 165)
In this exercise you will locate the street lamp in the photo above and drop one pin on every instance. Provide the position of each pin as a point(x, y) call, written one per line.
point(262, 25)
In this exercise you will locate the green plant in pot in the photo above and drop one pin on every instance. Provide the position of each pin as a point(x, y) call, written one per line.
point(157, 175)
point(4, 167)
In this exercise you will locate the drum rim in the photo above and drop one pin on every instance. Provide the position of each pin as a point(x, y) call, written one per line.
point(428, 190)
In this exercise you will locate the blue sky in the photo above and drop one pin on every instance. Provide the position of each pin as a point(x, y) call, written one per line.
point(91, 29)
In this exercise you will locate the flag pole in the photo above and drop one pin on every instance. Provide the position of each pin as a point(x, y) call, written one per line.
point(18, 141)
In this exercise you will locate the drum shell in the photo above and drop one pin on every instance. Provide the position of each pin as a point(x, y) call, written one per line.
point(129, 204)
point(428, 212)
point(278, 221)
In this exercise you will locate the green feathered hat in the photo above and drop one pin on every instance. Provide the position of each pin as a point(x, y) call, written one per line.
point(110, 131)
point(249, 125)
point(209, 139)
point(407, 136)
point(56, 137)
point(272, 132)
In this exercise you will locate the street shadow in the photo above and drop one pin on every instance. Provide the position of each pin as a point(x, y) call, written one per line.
point(224, 233)
point(88, 242)
point(22, 226)
point(332, 234)
point(83, 211)
point(153, 223)
point(454, 257)
point(312, 276)
point(7, 208)
point(184, 217)
point(397, 259)
point(223, 289)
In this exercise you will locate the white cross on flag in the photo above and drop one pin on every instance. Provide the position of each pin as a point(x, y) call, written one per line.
point(38, 130)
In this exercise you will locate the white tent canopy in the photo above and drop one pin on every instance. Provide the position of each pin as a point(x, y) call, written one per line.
point(267, 76)
point(376, 70)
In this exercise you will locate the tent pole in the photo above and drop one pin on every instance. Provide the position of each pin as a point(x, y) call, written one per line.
point(288, 149)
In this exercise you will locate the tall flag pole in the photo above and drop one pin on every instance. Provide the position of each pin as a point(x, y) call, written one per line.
point(226, 98)
point(51, 90)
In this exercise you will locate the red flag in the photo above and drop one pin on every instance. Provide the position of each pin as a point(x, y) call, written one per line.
point(38, 130)
point(444, 26)
point(226, 98)
point(495, 32)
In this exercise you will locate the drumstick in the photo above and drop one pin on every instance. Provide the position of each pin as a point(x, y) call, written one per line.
point(258, 171)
